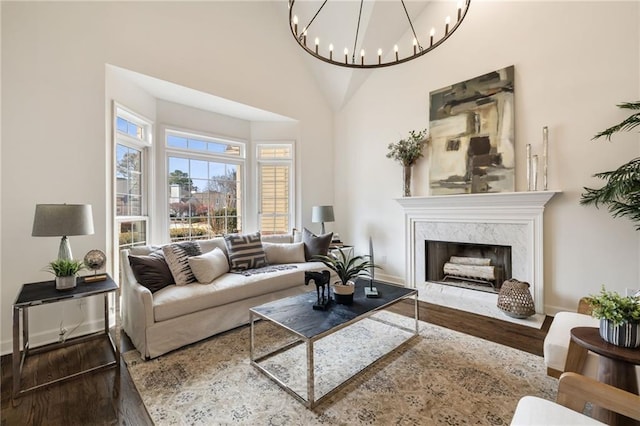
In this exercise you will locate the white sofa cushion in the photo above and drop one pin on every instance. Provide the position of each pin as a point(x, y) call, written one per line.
point(174, 301)
point(534, 411)
point(209, 266)
point(556, 343)
point(283, 253)
point(208, 245)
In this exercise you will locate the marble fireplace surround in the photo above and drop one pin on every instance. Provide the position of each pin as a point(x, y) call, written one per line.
point(510, 218)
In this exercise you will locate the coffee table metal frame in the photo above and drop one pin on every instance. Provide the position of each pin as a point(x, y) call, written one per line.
point(311, 401)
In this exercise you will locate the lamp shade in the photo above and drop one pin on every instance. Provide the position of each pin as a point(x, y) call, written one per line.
point(59, 220)
point(322, 214)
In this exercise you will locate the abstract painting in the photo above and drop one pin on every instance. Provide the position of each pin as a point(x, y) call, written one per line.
point(471, 125)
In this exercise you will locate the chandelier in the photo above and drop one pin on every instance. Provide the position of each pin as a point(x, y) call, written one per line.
point(313, 26)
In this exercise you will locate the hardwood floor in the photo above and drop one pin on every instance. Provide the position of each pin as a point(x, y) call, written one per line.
point(92, 400)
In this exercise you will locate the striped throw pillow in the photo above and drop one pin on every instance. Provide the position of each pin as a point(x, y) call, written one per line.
point(177, 257)
point(245, 251)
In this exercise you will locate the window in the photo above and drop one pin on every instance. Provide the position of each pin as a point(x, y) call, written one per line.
point(132, 142)
point(205, 178)
point(275, 187)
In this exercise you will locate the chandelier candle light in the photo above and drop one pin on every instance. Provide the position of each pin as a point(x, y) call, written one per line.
point(417, 51)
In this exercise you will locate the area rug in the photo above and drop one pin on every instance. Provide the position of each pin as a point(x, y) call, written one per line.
point(440, 377)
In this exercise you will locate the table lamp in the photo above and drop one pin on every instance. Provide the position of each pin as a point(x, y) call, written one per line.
point(62, 220)
point(322, 214)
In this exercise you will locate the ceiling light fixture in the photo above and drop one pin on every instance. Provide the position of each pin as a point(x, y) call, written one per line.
point(331, 20)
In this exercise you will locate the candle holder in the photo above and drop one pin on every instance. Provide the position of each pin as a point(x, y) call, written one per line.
point(545, 156)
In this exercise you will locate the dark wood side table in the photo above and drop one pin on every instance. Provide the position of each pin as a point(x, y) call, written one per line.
point(616, 368)
point(41, 293)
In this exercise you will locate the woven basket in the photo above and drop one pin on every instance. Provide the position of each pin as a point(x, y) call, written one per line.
point(515, 299)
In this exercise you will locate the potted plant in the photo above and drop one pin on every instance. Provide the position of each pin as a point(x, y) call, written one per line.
point(407, 152)
point(619, 317)
point(348, 268)
point(66, 271)
point(621, 193)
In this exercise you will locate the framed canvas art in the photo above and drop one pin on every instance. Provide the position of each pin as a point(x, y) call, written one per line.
point(471, 125)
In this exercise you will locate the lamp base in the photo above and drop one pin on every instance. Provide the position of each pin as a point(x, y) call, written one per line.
point(64, 252)
point(371, 292)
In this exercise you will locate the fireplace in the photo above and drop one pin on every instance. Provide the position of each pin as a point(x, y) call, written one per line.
point(482, 267)
point(512, 220)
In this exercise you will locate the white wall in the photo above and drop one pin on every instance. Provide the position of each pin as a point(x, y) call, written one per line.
point(574, 62)
point(55, 112)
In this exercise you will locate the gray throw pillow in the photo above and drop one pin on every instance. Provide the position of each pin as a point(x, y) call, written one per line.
point(245, 251)
point(315, 244)
point(151, 271)
point(177, 256)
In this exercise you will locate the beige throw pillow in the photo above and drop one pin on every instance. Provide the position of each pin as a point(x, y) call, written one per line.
point(209, 266)
point(284, 253)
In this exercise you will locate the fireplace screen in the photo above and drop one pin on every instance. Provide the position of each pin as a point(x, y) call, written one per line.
point(476, 266)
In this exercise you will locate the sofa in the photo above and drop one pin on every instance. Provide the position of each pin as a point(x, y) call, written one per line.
point(159, 320)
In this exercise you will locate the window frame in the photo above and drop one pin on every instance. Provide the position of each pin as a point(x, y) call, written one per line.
point(145, 146)
point(290, 162)
point(241, 161)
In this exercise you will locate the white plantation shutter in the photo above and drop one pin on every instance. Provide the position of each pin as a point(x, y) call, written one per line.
point(275, 181)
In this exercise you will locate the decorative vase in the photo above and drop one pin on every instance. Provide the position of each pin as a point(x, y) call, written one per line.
point(344, 292)
point(406, 179)
point(626, 335)
point(66, 283)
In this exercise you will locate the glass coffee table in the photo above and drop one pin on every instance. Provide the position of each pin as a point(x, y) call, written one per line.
point(307, 366)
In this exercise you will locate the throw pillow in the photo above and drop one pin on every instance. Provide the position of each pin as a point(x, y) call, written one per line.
point(315, 244)
point(151, 270)
point(177, 256)
point(245, 251)
point(284, 253)
point(209, 266)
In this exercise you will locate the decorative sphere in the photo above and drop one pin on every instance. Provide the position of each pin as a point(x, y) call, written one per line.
point(95, 259)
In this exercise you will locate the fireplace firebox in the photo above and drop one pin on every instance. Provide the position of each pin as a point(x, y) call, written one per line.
point(481, 267)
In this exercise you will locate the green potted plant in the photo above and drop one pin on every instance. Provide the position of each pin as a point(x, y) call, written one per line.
point(621, 193)
point(348, 268)
point(619, 317)
point(65, 271)
point(407, 152)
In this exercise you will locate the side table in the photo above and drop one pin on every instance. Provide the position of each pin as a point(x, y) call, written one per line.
point(616, 368)
point(41, 293)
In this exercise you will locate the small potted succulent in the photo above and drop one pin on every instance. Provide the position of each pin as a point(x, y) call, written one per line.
point(348, 268)
point(66, 271)
point(619, 317)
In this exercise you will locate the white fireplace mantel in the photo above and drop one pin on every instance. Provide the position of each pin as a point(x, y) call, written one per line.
point(506, 218)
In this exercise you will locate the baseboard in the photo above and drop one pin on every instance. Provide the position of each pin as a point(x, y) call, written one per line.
point(52, 335)
point(389, 278)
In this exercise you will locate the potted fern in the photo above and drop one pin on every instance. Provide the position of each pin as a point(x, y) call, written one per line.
point(65, 271)
point(348, 268)
point(619, 317)
point(621, 193)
